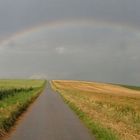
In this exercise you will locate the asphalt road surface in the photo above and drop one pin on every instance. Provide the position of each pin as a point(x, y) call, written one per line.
point(49, 118)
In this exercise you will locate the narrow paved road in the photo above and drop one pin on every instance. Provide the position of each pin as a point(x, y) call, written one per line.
point(49, 118)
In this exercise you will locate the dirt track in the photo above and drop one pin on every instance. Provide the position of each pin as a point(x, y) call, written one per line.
point(49, 118)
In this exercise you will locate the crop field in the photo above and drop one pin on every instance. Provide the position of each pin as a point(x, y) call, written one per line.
point(15, 96)
point(111, 112)
point(20, 83)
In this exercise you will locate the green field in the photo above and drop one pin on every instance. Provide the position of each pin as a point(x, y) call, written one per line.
point(111, 112)
point(131, 87)
point(15, 97)
point(20, 83)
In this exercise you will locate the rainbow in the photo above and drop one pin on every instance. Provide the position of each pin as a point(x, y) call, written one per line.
point(58, 24)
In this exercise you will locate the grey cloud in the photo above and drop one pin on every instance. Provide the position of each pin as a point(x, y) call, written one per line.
point(99, 53)
point(18, 14)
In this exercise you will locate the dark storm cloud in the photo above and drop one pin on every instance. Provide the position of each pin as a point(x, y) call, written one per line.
point(18, 14)
point(99, 52)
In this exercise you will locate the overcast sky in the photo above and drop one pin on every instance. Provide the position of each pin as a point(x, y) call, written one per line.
point(96, 40)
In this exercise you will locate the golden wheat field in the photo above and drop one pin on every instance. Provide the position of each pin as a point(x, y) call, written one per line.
point(115, 107)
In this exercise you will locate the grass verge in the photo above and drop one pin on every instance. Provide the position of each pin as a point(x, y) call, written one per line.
point(12, 106)
point(95, 128)
point(110, 111)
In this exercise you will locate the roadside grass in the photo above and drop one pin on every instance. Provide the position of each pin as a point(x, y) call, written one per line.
point(4, 93)
point(109, 111)
point(12, 105)
point(96, 128)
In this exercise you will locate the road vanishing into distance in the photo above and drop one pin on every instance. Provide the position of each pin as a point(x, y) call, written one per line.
point(49, 118)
